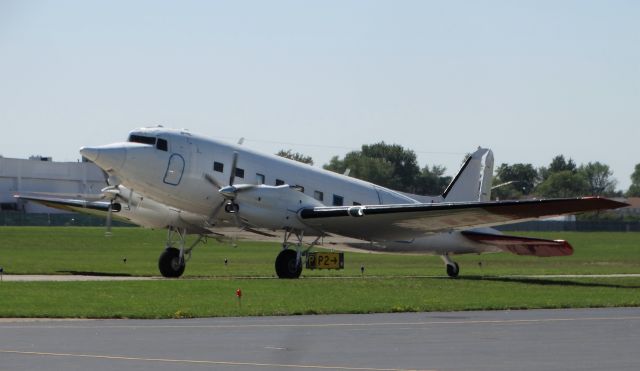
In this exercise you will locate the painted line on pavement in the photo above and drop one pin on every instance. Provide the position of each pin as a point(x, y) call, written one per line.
point(201, 362)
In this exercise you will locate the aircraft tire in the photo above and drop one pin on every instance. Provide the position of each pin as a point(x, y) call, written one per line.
point(169, 263)
point(286, 265)
point(453, 270)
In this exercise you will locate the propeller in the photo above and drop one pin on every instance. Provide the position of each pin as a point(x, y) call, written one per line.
point(110, 193)
point(229, 194)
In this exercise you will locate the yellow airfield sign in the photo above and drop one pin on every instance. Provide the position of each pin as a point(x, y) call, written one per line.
point(325, 260)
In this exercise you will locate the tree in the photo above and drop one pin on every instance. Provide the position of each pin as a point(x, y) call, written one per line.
point(634, 189)
point(598, 177)
point(404, 163)
point(296, 156)
point(523, 179)
point(432, 181)
point(557, 165)
point(389, 165)
point(565, 183)
point(370, 169)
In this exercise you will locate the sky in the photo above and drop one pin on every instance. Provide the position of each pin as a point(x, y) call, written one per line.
point(528, 79)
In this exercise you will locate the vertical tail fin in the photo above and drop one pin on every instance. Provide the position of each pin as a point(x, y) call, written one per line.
point(473, 181)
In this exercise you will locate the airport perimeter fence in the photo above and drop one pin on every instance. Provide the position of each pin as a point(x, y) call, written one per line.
point(18, 218)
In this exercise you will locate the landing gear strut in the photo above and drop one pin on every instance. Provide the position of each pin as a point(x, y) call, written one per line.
point(173, 260)
point(452, 267)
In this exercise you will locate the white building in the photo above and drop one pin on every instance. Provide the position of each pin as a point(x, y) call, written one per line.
point(41, 174)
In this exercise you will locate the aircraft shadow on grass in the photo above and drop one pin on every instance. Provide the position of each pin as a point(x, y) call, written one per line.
point(95, 274)
point(545, 282)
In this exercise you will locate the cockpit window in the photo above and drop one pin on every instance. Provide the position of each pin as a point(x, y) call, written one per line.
point(142, 139)
point(162, 144)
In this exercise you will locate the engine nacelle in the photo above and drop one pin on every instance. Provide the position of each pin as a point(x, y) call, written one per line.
point(274, 207)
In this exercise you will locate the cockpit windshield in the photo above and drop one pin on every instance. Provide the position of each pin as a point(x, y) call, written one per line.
point(142, 139)
point(160, 143)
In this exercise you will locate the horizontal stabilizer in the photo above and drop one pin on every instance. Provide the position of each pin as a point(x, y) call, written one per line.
point(522, 245)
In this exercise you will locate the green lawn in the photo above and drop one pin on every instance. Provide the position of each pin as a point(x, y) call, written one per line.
point(216, 297)
point(384, 288)
point(62, 250)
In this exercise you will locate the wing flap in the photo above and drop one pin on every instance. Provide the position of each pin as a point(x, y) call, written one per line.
point(522, 245)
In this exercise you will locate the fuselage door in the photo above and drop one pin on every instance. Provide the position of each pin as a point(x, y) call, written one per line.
point(175, 169)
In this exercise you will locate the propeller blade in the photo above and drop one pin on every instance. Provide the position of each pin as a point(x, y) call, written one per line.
point(239, 222)
point(129, 200)
point(216, 211)
point(108, 225)
point(212, 180)
point(232, 177)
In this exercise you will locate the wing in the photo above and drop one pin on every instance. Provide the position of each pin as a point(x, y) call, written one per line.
point(97, 208)
point(151, 215)
point(404, 222)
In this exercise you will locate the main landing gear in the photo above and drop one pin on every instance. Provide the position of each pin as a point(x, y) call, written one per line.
point(288, 261)
point(173, 259)
point(452, 267)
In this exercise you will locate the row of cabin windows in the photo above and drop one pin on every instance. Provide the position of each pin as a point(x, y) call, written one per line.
point(219, 167)
point(260, 179)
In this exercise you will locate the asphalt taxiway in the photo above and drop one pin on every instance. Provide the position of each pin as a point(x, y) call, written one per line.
point(577, 339)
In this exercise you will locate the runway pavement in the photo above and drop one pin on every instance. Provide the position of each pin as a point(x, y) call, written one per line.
point(583, 339)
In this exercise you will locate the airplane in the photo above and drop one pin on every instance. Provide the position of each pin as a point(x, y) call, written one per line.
point(191, 184)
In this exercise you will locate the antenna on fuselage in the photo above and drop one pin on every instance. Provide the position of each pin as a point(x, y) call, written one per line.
point(240, 141)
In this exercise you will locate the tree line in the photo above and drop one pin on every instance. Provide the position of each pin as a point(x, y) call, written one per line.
point(395, 167)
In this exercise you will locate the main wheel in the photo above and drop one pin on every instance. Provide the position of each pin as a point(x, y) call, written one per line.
point(286, 264)
point(170, 264)
point(453, 270)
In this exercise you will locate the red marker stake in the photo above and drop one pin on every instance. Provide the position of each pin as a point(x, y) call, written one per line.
point(239, 295)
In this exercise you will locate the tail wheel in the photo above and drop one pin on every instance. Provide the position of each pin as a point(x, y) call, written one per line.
point(170, 264)
point(287, 265)
point(453, 270)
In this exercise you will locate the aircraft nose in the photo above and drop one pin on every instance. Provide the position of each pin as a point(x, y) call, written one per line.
point(90, 153)
point(110, 157)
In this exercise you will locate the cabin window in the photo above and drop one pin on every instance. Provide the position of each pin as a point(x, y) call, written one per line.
point(338, 200)
point(279, 182)
point(142, 139)
point(162, 145)
point(318, 195)
point(218, 166)
point(240, 172)
point(259, 178)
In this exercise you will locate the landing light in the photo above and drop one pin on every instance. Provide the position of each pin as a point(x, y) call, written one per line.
point(356, 211)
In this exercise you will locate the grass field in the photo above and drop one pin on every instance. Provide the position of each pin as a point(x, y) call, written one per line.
point(385, 286)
